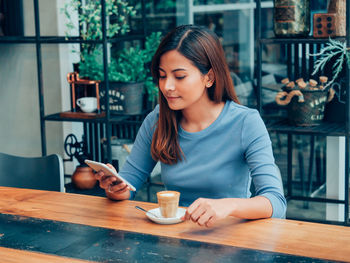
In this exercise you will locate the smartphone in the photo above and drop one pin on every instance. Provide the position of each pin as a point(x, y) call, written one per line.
point(97, 166)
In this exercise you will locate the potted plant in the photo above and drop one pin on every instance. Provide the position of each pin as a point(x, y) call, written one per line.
point(89, 26)
point(128, 74)
point(334, 55)
point(128, 70)
point(131, 68)
point(333, 60)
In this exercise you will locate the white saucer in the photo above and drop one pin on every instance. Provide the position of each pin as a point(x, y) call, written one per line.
point(163, 220)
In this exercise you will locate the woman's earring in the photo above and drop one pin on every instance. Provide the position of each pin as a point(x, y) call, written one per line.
point(208, 85)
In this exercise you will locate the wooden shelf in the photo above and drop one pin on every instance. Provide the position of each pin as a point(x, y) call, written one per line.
point(82, 115)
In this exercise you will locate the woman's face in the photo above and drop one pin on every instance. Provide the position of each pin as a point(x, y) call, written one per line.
point(181, 83)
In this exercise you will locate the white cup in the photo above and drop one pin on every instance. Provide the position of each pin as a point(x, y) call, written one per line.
point(87, 104)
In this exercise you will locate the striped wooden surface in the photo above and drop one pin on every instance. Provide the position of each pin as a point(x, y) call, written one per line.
point(284, 236)
point(9, 255)
point(98, 244)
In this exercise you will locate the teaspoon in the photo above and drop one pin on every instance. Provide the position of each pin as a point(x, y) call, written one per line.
point(144, 210)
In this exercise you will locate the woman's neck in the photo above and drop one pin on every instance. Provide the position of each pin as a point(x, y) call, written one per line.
point(201, 116)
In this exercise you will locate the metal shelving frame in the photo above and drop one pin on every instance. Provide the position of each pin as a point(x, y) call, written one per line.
point(325, 129)
point(38, 40)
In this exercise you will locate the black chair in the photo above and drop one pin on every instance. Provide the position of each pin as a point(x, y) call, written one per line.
point(42, 173)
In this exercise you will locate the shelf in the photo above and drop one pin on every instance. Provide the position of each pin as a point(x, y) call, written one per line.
point(125, 119)
point(324, 129)
point(296, 40)
point(17, 39)
point(62, 39)
point(57, 117)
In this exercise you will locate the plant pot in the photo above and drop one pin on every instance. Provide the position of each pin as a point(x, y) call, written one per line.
point(305, 107)
point(124, 98)
point(309, 113)
point(83, 177)
point(335, 110)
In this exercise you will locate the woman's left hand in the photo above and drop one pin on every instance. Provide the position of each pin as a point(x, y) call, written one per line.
point(206, 212)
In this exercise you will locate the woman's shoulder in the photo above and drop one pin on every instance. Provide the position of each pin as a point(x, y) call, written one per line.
point(242, 116)
point(149, 123)
point(235, 109)
point(154, 113)
point(153, 116)
point(249, 119)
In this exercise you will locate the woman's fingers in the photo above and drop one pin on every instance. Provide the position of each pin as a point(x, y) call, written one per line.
point(107, 180)
point(191, 209)
point(110, 166)
point(197, 213)
point(210, 222)
point(98, 175)
point(118, 188)
point(201, 212)
point(195, 210)
point(204, 218)
point(110, 183)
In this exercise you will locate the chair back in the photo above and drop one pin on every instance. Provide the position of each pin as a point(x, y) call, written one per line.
point(42, 173)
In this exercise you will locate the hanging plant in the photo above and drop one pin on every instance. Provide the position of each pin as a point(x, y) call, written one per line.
point(334, 50)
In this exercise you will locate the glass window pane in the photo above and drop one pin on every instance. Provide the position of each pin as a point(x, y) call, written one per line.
point(235, 31)
point(11, 18)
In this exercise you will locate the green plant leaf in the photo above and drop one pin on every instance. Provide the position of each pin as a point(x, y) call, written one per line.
point(130, 64)
point(333, 49)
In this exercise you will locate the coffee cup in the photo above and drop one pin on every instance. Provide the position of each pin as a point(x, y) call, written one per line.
point(87, 104)
point(168, 202)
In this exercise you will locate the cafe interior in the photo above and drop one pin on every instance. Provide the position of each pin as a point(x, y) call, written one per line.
point(59, 107)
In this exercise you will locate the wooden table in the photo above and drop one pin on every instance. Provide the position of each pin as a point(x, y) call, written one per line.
point(42, 226)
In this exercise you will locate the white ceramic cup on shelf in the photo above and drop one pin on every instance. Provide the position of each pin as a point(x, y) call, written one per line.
point(87, 104)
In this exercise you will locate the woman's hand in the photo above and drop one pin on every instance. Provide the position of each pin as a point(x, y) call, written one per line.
point(206, 212)
point(114, 189)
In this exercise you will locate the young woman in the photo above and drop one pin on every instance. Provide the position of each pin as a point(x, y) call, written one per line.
point(210, 147)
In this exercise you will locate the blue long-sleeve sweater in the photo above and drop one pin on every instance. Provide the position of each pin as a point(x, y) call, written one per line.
point(220, 161)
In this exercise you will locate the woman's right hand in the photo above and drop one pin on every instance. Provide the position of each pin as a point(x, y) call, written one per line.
point(114, 189)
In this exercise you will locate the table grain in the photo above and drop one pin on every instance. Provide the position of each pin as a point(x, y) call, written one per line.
point(306, 239)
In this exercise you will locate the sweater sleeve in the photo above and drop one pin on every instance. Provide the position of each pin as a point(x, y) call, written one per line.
point(139, 164)
point(265, 174)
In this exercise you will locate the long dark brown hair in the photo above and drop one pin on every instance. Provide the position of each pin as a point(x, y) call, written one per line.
point(203, 48)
